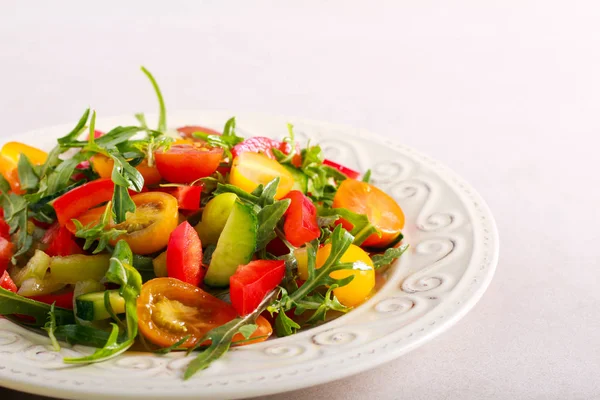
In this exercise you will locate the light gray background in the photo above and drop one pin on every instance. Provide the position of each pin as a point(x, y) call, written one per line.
point(507, 93)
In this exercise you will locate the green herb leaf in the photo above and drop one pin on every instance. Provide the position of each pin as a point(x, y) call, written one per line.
point(81, 334)
point(248, 330)
point(50, 327)
point(11, 303)
point(381, 260)
point(268, 218)
point(367, 176)
point(111, 349)
point(162, 115)
point(285, 326)
point(98, 232)
point(122, 204)
point(77, 130)
point(226, 141)
point(361, 227)
point(174, 346)
point(4, 185)
point(27, 175)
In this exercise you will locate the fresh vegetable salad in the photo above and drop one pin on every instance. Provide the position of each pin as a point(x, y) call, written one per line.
point(191, 239)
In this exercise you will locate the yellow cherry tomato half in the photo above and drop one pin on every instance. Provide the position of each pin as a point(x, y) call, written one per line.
point(104, 165)
point(13, 150)
point(148, 228)
point(361, 286)
point(381, 209)
point(249, 170)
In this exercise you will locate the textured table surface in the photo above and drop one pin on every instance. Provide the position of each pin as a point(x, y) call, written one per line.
point(507, 93)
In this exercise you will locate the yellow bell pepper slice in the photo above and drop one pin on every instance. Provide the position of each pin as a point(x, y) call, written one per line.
point(249, 170)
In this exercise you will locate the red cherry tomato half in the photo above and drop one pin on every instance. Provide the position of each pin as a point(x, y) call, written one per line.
point(250, 283)
point(187, 131)
point(185, 163)
point(7, 283)
point(300, 224)
point(184, 255)
point(350, 173)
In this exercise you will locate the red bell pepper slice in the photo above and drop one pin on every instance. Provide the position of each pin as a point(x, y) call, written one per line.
point(300, 224)
point(188, 197)
point(60, 242)
point(265, 145)
point(252, 282)
point(350, 173)
point(6, 253)
point(77, 201)
point(7, 283)
point(63, 300)
point(4, 229)
point(184, 255)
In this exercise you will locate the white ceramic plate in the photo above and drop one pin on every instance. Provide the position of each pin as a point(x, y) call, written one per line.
point(454, 250)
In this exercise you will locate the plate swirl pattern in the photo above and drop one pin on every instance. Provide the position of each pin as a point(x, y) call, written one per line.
point(453, 254)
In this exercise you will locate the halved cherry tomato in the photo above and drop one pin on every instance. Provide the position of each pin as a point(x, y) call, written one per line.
point(60, 242)
point(382, 210)
point(361, 286)
point(188, 197)
point(252, 169)
point(185, 163)
point(265, 145)
point(75, 202)
point(169, 310)
point(300, 224)
point(250, 283)
point(7, 283)
point(148, 228)
point(6, 253)
point(350, 173)
point(188, 130)
point(64, 300)
point(104, 165)
point(184, 255)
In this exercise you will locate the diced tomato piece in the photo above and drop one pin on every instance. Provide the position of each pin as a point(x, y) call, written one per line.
point(4, 229)
point(252, 282)
point(188, 197)
point(265, 145)
point(63, 300)
point(77, 201)
point(6, 253)
point(7, 283)
point(350, 173)
point(184, 255)
point(300, 224)
point(185, 163)
point(60, 242)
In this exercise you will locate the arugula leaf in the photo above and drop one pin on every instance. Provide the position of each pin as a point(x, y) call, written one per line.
point(226, 141)
point(81, 334)
point(11, 303)
point(122, 273)
point(4, 185)
point(222, 336)
point(111, 311)
point(117, 135)
point(248, 330)
point(61, 176)
point(361, 227)
point(381, 260)
point(283, 158)
point(50, 327)
point(16, 215)
point(174, 346)
point(367, 176)
point(268, 217)
point(162, 116)
point(122, 204)
point(27, 175)
point(77, 130)
point(246, 197)
point(321, 304)
point(285, 326)
point(141, 119)
point(98, 232)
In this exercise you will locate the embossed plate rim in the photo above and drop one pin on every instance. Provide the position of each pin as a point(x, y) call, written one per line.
point(373, 353)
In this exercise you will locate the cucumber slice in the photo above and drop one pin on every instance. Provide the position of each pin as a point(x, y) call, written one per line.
point(78, 267)
point(235, 247)
point(214, 218)
point(90, 306)
point(300, 178)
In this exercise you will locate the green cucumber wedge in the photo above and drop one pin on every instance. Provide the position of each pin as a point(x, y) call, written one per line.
point(235, 247)
point(90, 306)
point(300, 178)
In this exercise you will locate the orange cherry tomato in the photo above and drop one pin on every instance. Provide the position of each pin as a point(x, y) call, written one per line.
point(104, 165)
point(382, 210)
point(185, 163)
point(169, 310)
point(148, 228)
